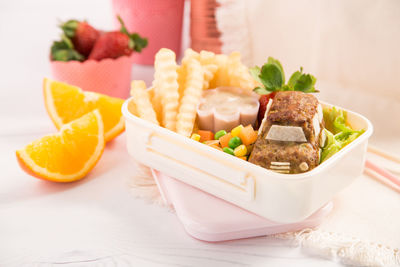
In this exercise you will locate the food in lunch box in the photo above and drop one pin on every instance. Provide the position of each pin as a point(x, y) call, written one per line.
point(271, 78)
point(142, 104)
point(290, 135)
point(338, 132)
point(191, 96)
point(215, 100)
point(239, 142)
point(81, 41)
point(177, 89)
point(226, 107)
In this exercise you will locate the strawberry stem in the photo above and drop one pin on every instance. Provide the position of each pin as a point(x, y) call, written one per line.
point(136, 42)
point(123, 28)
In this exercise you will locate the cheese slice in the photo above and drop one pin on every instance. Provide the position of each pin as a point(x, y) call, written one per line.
point(320, 113)
point(286, 134)
point(269, 104)
point(316, 125)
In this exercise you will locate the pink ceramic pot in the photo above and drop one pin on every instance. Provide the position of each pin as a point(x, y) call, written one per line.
point(108, 76)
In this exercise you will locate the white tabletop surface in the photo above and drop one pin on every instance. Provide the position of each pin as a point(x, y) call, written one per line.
point(95, 222)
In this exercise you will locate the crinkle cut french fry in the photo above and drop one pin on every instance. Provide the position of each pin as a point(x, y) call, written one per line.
point(238, 73)
point(191, 97)
point(141, 98)
point(155, 97)
point(132, 108)
point(166, 85)
point(182, 70)
point(189, 54)
point(221, 75)
point(207, 60)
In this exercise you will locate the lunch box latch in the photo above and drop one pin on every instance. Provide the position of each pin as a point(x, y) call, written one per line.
point(221, 175)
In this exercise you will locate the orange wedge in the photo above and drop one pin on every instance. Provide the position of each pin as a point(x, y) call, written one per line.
point(68, 155)
point(65, 103)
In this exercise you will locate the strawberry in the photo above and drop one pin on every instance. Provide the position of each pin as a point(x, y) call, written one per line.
point(82, 35)
point(117, 43)
point(263, 106)
point(112, 45)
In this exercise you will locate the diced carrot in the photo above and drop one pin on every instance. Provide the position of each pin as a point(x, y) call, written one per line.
point(243, 158)
point(224, 140)
point(205, 135)
point(248, 135)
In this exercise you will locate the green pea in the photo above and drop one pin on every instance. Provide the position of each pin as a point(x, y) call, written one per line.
point(219, 134)
point(234, 142)
point(228, 150)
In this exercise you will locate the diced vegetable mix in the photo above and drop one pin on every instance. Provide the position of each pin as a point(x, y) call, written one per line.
point(240, 151)
point(234, 142)
point(236, 131)
point(195, 137)
point(224, 140)
point(219, 134)
point(338, 133)
point(239, 142)
point(228, 150)
point(248, 135)
point(205, 135)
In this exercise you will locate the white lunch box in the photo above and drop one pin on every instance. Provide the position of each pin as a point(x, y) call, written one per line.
point(278, 197)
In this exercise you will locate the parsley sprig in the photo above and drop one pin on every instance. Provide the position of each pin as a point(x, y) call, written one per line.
point(272, 77)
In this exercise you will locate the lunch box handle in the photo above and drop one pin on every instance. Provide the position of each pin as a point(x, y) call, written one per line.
point(220, 173)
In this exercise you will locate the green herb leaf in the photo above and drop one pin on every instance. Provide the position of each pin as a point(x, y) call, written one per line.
point(276, 62)
point(261, 91)
point(286, 88)
point(255, 73)
point(295, 76)
point(305, 83)
point(271, 77)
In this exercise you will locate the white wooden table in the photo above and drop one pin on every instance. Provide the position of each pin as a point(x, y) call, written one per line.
point(95, 222)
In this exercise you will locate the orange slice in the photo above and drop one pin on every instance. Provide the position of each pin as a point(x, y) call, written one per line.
point(68, 155)
point(65, 103)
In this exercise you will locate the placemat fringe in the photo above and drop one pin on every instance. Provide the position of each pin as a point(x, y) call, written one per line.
point(347, 250)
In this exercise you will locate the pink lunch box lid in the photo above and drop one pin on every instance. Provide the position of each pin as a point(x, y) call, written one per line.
point(212, 219)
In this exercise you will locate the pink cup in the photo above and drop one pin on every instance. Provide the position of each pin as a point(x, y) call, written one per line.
point(108, 76)
point(160, 21)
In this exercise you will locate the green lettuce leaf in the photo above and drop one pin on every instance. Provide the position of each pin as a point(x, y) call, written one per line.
point(338, 133)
